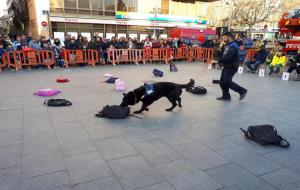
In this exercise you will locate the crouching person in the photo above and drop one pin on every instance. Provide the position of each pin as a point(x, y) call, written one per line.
point(278, 62)
point(295, 65)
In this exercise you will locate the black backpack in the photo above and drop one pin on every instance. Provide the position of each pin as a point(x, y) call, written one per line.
point(197, 90)
point(57, 102)
point(158, 73)
point(265, 135)
point(114, 112)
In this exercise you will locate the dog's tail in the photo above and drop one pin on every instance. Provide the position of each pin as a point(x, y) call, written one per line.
point(188, 85)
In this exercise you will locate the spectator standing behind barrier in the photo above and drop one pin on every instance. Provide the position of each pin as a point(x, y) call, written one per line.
point(43, 41)
point(34, 44)
point(78, 41)
point(17, 45)
point(258, 59)
point(2, 51)
point(148, 43)
point(248, 42)
point(230, 62)
point(278, 62)
point(23, 40)
point(29, 38)
point(209, 43)
point(67, 41)
point(295, 65)
point(57, 49)
point(92, 44)
point(130, 45)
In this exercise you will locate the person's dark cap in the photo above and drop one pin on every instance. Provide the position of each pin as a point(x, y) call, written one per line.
point(229, 34)
point(262, 47)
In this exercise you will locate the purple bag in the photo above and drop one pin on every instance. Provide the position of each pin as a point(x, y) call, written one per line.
point(46, 92)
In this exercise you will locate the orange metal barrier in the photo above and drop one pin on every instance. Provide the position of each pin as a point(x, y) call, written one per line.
point(117, 56)
point(195, 54)
point(180, 53)
point(208, 54)
point(19, 59)
point(3, 62)
point(156, 54)
point(250, 54)
point(74, 57)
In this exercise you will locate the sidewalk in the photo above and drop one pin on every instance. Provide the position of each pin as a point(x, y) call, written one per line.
point(197, 147)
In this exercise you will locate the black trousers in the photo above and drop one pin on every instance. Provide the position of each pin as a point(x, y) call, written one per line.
point(226, 82)
point(292, 67)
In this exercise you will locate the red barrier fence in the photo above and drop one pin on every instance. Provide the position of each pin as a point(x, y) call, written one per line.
point(117, 56)
point(19, 59)
point(75, 57)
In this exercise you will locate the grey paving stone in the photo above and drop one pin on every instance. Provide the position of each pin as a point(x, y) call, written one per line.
point(41, 163)
point(53, 181)
point(283, 179)
point(36, 126)
point(75, 146)
point(116, 147)
point(10, 179)
point(213, 141)
point(235, 178)
point(10, 156)
point(173, 136)
point(35, 143)
point(157, 152)
point(134, 172)
point(201, 156)
point(86, 167)
point(11, 119)
point(136, 134)
point(183, 175)
point(159, 186)
point(10, 137)
point(12, 103)
point(102, 132)
point(176, 168)
point(287, 157)
point(109, 183)
point(253, 162)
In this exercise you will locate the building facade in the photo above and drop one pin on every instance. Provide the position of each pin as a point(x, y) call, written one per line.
point(107, 18)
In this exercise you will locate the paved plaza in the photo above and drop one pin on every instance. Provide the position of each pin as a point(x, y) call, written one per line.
point(198, 147)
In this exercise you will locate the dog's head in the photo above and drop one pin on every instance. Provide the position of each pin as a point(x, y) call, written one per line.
point(128, 99)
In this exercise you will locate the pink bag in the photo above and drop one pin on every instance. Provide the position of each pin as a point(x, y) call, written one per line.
point(120, 85)
point(46, 92)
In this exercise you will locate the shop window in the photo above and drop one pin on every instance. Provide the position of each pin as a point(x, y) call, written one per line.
point(71, 12)
point(121, 27)
point(84, 13)
point(83, 4)
point(109, 5)
point(71, 25)
point(98, 26)
point(97, 4)
point(56, 11)
point(109, 13)
point(97, 13)
point(127, 5)
point(70, 4)
point(56, 3)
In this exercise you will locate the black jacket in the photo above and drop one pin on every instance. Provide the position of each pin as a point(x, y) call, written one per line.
point(230, 57)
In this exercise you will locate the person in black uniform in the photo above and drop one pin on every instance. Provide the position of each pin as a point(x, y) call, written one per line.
point(295, 65)
point(230, 62)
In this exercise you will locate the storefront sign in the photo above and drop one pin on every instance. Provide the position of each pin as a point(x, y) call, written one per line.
point(159, 17)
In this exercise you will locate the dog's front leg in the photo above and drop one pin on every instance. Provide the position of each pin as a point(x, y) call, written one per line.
point(143, 108)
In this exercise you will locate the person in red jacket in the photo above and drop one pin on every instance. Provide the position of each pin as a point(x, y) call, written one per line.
point(25, 50)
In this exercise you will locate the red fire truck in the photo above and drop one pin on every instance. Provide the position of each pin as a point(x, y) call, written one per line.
point(191, 33)
point(289, 28)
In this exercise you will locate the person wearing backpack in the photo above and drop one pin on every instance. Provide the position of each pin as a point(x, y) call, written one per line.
point(230, 62)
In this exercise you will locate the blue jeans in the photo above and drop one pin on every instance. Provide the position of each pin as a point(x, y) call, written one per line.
point(252, 66)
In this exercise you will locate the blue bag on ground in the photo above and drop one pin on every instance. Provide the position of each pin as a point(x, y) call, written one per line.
point(158, 73)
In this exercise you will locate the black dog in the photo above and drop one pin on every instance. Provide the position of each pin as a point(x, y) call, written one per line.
point(170, 90)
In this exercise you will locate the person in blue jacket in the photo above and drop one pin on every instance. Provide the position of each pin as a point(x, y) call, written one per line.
point(243, 53)
point(230, 62)
point(258, 59)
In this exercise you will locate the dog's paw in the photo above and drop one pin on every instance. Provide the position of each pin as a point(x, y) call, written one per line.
point(169, 110)
point(137, 112)
point(180, 105)
point(146, 109)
